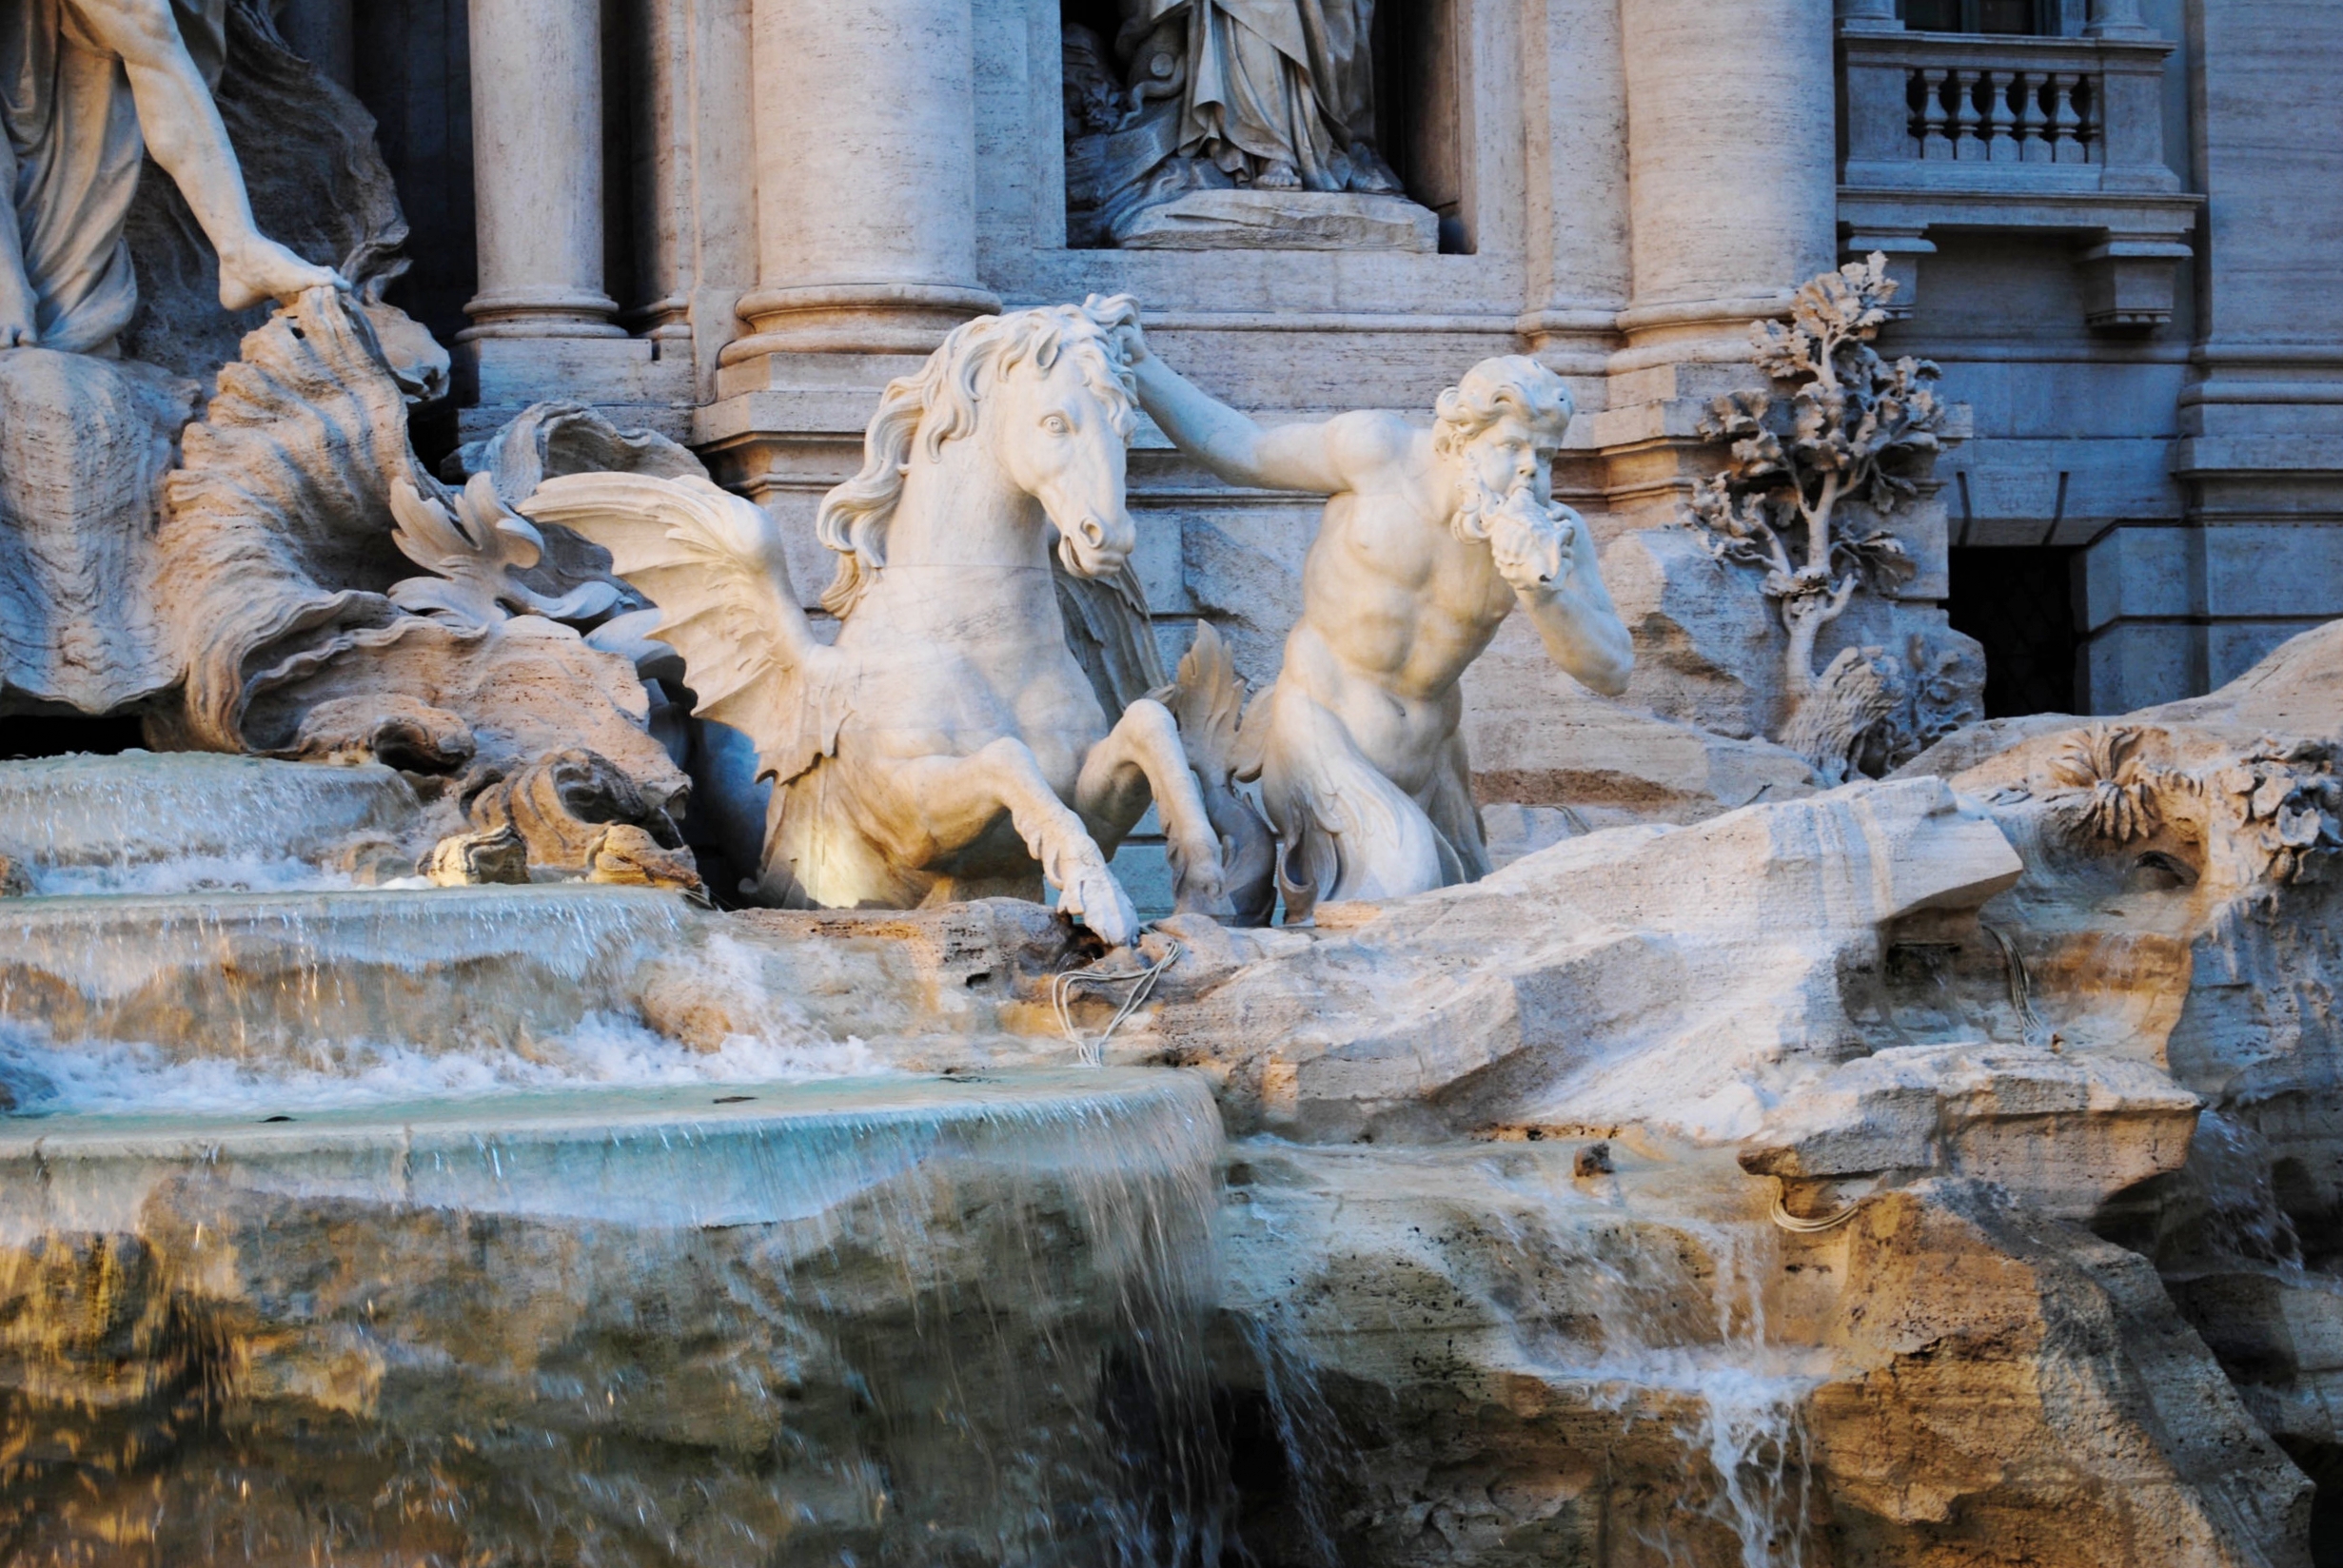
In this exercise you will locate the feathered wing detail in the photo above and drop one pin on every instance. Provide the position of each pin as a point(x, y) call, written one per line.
point(1109, 634)
point(714, 564)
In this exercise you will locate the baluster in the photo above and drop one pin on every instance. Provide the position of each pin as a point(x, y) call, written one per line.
point(2033, 125)
point(2065, 124)
point(1933, 142)
point(2094, 121)
point(1968, 146)
point(2000, 117)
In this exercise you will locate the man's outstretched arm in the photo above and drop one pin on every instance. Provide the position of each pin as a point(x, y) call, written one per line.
point(1290, 456)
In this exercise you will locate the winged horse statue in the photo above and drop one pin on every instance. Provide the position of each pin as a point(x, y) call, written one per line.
point(948, 744)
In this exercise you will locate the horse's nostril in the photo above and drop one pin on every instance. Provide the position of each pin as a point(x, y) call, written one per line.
point(1093, 532)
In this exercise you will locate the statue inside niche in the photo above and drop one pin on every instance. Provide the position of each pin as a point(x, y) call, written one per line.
point(87, 87)
point(1196, 101)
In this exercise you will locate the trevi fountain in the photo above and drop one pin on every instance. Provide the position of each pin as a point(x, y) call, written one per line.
point(1172, 895)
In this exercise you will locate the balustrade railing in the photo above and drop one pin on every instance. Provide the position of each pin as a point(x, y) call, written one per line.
point(1964, 131)
point(2011, 112)
point(1971, 114)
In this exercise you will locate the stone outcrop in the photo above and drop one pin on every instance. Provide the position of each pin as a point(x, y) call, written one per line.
point(1682, 976)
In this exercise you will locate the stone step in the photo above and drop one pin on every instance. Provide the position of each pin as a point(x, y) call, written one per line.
point(95, 823)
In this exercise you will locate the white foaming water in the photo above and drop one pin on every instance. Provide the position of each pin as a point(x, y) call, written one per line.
point(107, 1077)
point(1747, 1393)
point(190, 874)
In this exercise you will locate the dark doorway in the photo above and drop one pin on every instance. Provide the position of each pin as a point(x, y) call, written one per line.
point(2019, 602)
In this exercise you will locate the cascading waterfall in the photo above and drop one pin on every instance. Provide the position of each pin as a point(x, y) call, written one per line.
point(917, 1322)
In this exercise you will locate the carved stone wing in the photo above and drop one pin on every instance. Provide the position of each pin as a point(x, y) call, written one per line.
point(1108, 633)
point(712, 564)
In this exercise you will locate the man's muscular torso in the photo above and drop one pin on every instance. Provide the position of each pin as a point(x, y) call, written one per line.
point(1394, 605)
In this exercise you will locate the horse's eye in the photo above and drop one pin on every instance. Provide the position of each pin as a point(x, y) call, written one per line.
point(1055, 425)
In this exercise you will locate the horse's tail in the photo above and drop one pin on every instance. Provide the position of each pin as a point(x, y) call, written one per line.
point(1207, 698)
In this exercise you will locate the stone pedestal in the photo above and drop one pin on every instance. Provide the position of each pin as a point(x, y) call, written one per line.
point(1282, 220)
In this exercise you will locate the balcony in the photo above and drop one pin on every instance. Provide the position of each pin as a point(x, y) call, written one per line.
point(1954, 131)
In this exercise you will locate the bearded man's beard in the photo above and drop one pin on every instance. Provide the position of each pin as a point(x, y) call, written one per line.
point(1481, 505)
point(1516, 524)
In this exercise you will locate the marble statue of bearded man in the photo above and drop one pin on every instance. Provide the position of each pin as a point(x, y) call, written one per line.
point(87, 87)
point(1279, 94)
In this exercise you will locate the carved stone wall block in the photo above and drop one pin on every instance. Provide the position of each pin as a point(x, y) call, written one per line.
point(2129, 286)
point(1281, 220)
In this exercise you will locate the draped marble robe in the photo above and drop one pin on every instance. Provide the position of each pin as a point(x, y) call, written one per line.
point(75, 148)
point(85, 437)
point(1272, 81)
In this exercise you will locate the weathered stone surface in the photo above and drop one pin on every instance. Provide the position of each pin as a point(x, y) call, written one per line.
point(1676, 976)
point(2062, 1133)
point(2006, 1379)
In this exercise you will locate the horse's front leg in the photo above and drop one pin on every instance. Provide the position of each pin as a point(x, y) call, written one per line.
point(1143, 755)
point(957, 797)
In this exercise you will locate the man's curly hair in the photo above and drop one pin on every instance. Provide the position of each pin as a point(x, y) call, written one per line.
point(1509, 383)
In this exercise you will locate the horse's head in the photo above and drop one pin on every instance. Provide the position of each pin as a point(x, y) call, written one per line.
point(1047, 393)
point(1060, 417)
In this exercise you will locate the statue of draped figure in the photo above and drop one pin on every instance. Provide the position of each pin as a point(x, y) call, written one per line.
point(90, 88)
point(1277, 93)
point(86, 88)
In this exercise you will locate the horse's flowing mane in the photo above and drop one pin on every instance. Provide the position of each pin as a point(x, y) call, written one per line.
point(940, 403)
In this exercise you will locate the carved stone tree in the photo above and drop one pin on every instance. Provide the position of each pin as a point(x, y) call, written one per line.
point(1820, 462)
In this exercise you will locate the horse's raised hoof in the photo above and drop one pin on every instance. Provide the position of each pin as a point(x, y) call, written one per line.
point(1093, 896)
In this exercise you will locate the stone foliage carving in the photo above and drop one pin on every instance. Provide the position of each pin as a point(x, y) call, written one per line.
point(1213, 123)
point(1434, 537)
point(949, 742)
point(1820, 462)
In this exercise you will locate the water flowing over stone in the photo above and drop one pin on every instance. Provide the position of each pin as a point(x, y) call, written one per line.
point(931, 1321)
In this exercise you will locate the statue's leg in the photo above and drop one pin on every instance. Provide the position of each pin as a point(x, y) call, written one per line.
point(950, 801)
point(1347, 831)
point(1447, 800)
point(183, 130)
point(1143, 757)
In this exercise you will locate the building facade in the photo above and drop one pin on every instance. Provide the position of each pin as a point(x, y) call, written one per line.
point(2115, 222)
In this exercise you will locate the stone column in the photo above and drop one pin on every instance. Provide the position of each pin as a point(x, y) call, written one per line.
point(1731, 160)
point(866, 178)
point(1868, 16)
point(537, 170)
point(2118, 19)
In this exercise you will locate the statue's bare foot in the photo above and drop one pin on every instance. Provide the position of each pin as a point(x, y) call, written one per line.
point(258, 269)
point(17, 315)
point(1370, 175)
point(1277, 176)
